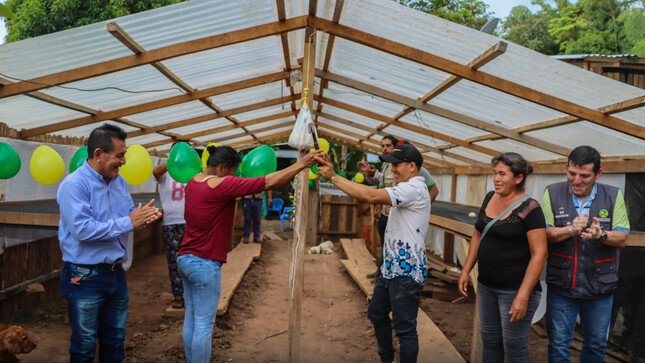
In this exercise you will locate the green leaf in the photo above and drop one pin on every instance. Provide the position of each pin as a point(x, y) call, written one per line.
point(6, 12)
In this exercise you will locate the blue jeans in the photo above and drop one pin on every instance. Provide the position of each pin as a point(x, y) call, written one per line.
point(252, 212)
point(561, 314)
point(97, 299)
point(400, 295)
point(201, 279)
point(499, 335)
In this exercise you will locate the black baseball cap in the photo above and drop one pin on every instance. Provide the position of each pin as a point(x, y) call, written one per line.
point(405, 153)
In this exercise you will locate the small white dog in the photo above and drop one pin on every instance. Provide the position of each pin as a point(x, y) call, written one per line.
point(326, 248)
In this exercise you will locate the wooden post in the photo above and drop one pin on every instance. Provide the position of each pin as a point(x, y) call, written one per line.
point(313, 215)
point(449, 238)
point(297, 272)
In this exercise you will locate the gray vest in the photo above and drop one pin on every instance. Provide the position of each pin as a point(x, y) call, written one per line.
point(576, 267)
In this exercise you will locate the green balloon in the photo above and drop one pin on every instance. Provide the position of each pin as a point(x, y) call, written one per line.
point(78, 159)
point(10, 161)
point(312, 184)
point(259, 162)
point(183, 162)
point(342, 173)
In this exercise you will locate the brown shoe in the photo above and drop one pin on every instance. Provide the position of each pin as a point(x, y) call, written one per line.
point(177, 304)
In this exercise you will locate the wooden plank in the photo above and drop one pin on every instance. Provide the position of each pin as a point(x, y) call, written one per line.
point(359, 274)
point(152, 105)
point(30, 219)
point(480, 77)
point(238, 261)
point(443, 112)
point(461, 229)
point(433, 344)
point(156, 55)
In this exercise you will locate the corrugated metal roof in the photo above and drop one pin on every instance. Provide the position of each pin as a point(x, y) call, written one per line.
point(370, 87)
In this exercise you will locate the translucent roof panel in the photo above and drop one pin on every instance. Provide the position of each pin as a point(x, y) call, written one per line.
point(25, 112)
point(140, 140)
point(264, 112)
point(151, 29)
point(413, 137)
point(636, 116)
point(229, 64)
point(440, 124)
point(135, 86)
point(275, 131)
point(169, 114)
point(350, 130)
point(350, 116)
point(251, 95)
point(608, 142)
point(528, 152)
point(444, 158)
point(362, 100)
point(202, 126)
point(274, 123)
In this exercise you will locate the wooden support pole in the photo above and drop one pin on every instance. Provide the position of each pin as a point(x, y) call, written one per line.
point(297, 271)
point(449, 238)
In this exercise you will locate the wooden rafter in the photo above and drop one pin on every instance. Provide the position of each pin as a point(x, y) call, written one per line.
point(407, 126)
point(130, 43)
point(443, 112)
point(209, 117)
point(338, 8)
point(267, 139)
point(242, 134)
point(369, 129)
point(284, 39)
point(491, 53)
point(41, 96)
point(216, 130)
point(152, 105)
point(155, 55)
point(483, 78)
point(564, 120)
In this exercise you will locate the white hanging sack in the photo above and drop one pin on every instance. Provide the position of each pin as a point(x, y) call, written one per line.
point(300, 138)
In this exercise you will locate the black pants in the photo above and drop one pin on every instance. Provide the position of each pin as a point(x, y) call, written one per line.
point(400, 295)
point(380, 226)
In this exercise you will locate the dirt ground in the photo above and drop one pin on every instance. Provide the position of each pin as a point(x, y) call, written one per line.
point(334, 327)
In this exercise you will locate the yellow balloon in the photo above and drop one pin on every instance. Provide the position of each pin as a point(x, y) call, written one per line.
point(46, 166)
point(206, 154)
point(312, 175)
point(360, 178)
point(138, 165)
point(322, 144)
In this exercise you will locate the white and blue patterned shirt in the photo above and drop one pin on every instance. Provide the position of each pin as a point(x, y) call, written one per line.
point(404, 251)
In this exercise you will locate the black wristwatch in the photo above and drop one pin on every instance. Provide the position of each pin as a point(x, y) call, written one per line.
point(603, 236)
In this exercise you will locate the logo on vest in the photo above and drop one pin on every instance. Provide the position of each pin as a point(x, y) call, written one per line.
point(603, 213)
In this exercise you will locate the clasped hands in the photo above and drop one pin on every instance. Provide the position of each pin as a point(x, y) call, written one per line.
point(593, 232)
point(146, 214)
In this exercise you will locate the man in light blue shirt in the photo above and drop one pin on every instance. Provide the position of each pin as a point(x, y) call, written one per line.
point(96, 214)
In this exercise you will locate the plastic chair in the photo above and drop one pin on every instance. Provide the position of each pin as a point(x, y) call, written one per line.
point(285, 215)
point(276, 206)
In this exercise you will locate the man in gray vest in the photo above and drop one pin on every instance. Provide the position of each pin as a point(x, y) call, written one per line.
point(586, 227)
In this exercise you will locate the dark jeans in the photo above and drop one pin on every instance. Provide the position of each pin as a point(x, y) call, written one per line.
point(380, 226)
point(98, 307)
point(499, 335)
point(252, 213)
point(561, 314)
point(173, 234)
point(400, 295)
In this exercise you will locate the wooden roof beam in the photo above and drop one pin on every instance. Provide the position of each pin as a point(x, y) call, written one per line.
point(209, 117)
point(156, 55)
point(284, 38)
point(369, 129)
point(483, 78)
point(267, 140)
point(401, 124)
point(152, 105)
point(330, 47)
point(491, 53)
point(443, 112)
point(231, 127)
point(125, 38)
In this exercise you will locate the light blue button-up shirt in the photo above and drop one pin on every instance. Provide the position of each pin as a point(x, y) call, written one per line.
point(94, 217)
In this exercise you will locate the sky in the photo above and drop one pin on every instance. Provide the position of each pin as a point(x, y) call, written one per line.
point(500, 8)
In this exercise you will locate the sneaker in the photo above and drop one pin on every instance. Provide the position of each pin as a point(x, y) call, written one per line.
point(177, 304)
point(245, 239)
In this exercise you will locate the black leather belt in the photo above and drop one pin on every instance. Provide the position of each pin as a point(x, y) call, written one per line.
point(101, 266)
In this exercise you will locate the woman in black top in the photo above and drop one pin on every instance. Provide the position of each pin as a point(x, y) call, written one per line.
point(511, 256)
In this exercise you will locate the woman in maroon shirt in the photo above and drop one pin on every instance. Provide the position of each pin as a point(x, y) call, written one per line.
point(210, 208)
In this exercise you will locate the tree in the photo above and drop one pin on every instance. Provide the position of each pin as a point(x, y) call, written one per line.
point(5, 11)
point(523, 27)
point(471, 13)
point(632, 33)
point(39, 17)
